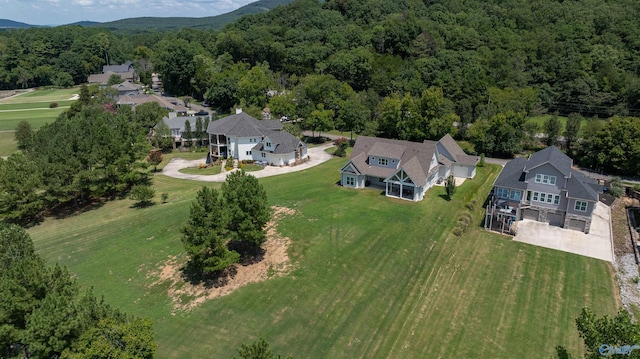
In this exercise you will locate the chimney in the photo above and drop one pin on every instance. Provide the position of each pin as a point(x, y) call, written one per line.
point(238, 111)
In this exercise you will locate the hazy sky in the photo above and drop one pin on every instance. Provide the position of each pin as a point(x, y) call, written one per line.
point(58, 12)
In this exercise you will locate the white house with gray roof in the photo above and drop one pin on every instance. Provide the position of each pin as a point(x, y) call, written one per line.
point(405, 169)
point(543, 187)
point(243, 137)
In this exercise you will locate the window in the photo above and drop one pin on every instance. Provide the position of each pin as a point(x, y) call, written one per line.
point(546, 197)
point(383, 161)
point(268, 144)
point(248, 153)
point(350, 180)
point(581, 206)
point(502, 192)
point(515, 195)
point(263, 155)
point(545, 179)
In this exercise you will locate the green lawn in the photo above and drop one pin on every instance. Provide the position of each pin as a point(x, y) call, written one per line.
point(37, 118)
point(8, 144)
point(32, 105)
point(43, 95)
point(213, 170)
point(374, 277)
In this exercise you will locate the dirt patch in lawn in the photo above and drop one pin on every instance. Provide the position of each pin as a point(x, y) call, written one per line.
point(275, 262)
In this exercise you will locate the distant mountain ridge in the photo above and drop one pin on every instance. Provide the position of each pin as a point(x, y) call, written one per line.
point(143, 24)
point(10, 24)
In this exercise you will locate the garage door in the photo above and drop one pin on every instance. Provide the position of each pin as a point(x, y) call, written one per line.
point(577, 224)
point(530, 214)
point(555, 219)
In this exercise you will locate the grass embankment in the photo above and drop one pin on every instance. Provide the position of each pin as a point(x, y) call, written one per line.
point(374, 277)
point(33, 107)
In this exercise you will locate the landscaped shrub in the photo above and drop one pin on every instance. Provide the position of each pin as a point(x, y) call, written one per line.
point(53, 105)
point(229, 164)
point(472, 204)
point(164, 196)
point(341, 151)
point(457, 231)
point(482, 162)
point(616, 191)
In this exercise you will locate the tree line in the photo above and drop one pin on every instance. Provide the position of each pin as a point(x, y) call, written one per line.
point(91, 152)
point(364, 66)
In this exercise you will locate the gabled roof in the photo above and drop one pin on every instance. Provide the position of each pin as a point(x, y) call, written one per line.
point(127, 86)
point(126, 67)
point(242, 125)
point(454, 153)
point(512, 175)
point(170, 103)
point(553, 156)
point(283, 141)
point(350, 168)
point(179, 122)
point(581, 187)
point(415, 158)
point(578, 185)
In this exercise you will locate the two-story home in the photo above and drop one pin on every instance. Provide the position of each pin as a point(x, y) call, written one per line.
point(543, 187)
point(177, 125)
point(242, 137)
point(405, 169)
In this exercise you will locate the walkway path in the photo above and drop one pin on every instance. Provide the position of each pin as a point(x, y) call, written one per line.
point(317, 155)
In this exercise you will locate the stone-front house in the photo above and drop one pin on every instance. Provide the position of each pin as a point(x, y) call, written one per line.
point(243, 137)
point(543, 187)
point(405, 169)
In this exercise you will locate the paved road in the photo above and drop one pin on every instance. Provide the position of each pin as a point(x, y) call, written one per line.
point(317, 155)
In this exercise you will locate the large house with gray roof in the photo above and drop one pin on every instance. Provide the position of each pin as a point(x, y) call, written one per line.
point(543, 187)
point(405, 169)
point(242, 137)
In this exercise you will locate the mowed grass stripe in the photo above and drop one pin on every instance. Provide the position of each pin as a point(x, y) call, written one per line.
point(36, 118)
point(374, 277)
point(32, 105)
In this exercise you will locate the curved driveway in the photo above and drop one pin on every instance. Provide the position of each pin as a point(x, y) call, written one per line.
point(317, 155)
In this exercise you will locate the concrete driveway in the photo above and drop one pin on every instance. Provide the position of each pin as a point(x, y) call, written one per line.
point(596, 244)
point(317, 155)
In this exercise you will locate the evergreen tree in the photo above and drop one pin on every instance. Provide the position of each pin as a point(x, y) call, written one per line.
point(205, 234)
point(553, 128)
point(450, 186)
point(199, 131)
point(187, 135)
point(23, 134)
point(247, 209)
point(572, 131)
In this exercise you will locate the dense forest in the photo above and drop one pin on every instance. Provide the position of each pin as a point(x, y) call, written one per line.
point(404, 69)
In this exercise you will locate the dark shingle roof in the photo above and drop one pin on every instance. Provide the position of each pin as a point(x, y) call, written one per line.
point(178, 122)
point(582, 187)
point(455, 153)
point(242, 125)
point(512, 175)
point(554, 157)
point(126, 67)
point(415, 157)
point(284, 141)
point(578, 185)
